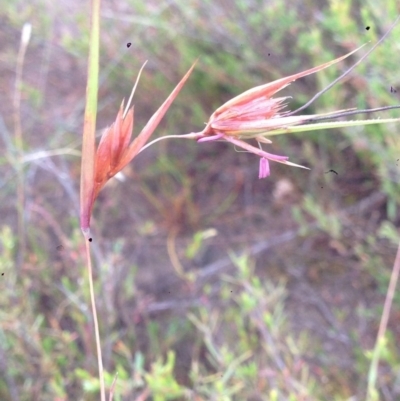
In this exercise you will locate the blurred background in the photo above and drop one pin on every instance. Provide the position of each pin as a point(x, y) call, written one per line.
point(211, 284)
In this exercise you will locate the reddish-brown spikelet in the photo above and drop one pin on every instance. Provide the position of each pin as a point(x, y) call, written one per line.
point(255, 111)
point(111, 149)
point(256, 114)
point(115, 150)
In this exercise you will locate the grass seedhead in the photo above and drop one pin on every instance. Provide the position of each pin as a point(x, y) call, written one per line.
point(113, 145)
point(115, 150)
point(255, 114)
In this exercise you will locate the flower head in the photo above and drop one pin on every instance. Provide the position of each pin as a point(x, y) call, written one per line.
point(115, 149)
point(112, 148)
point(256, 114)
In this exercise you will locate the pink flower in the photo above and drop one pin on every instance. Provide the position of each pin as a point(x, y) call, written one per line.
point(256, 114)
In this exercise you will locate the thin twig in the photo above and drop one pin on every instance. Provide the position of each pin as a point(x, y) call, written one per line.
point(171, 248)
point(379, 344)
point(112, 387)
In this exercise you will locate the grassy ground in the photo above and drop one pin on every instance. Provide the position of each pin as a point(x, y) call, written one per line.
point(212, 284)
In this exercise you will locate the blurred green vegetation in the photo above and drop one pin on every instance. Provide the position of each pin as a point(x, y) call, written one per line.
point(241, 335)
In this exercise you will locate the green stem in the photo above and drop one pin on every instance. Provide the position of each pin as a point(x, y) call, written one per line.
point(96, 323)
point(88, 145)
point(87, 166)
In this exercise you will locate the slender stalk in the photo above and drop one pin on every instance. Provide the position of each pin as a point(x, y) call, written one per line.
point(192, 135)
point(111, 395)
point(87, 166)
point(380, 338)
point(96, 323)
point(89, 128)
point(18, 141)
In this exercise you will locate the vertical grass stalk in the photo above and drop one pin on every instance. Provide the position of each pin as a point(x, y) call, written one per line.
point(87, 166)
point(18, 141)
point(96, 323)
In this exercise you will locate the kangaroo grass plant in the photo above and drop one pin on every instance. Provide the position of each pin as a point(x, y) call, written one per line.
point(254, 114)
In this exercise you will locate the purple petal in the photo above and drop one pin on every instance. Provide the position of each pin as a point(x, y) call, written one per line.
point(264, 168)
